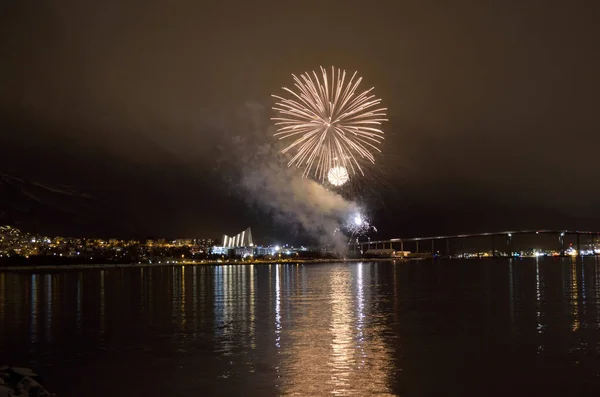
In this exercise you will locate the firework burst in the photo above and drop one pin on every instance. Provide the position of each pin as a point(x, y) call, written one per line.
point(356, 226)
point(329, 124)
point(359, 225)
point(337, 176)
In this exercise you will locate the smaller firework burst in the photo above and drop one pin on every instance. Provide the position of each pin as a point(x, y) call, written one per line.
point(359, 225)
point(356, 226)
point(338, 176)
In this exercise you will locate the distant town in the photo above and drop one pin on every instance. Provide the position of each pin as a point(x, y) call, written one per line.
point(18, 247)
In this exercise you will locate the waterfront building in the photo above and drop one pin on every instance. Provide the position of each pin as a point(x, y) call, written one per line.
point(242, 239)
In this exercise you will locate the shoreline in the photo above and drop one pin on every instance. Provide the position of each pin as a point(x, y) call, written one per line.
point(16, 268)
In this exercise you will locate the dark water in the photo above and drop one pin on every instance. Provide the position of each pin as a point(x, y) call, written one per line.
point(448, 328)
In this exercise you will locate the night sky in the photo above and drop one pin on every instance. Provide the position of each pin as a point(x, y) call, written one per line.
point(115, 115)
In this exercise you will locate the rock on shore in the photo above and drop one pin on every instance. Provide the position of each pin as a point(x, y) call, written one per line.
point(18, 381)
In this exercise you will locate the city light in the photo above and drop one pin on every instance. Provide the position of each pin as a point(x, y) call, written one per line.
point(15, 244)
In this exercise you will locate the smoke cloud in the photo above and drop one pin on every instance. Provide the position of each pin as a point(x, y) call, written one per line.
point(264, 180)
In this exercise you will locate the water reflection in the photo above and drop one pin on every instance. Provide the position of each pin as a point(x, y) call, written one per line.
point(360, 307)
point(182, 314)
point(538, 297)
point(251, 305)
point(277, 307)
point(230, 307)
point(574, 296)
point(79, 309)
point(34, 309)
point(358, 358)
point(330, 329)
point(102, 303)
point(539, 302)
point(143, 292)
point(150, 298)
point(512, 292)
point(195, 299)
point(2, 297)
point(341, 359)
point(595, 290)
point(48, 317)
point(222, 302)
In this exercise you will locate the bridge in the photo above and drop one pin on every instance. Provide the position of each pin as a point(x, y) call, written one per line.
point(399, 243)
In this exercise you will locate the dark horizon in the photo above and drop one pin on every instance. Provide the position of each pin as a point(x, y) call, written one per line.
point(117, 118)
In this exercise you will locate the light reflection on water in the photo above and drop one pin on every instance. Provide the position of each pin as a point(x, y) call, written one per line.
point(49, 305)
point(2, 297)
point(574, 287)
point(341, 359)
point(102, 303)
point(34, 309)
point(418, 328)
point(79, 309)
point(334, 350)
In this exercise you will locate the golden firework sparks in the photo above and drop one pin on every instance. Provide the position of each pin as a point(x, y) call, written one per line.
point(330, 124)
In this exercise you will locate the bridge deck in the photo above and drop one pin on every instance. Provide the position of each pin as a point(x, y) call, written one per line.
point(505, 233)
